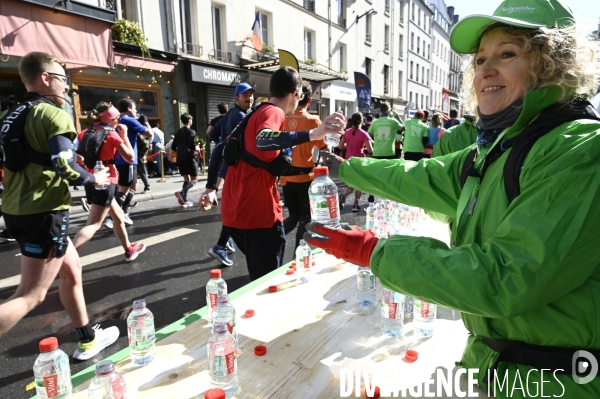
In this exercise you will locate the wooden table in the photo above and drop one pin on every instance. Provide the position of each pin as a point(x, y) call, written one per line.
point(311, 332)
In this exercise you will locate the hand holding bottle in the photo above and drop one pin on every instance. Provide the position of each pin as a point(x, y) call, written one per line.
point(334, 124)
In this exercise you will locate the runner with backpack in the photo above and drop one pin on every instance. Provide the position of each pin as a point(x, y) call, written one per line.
point(100, 143)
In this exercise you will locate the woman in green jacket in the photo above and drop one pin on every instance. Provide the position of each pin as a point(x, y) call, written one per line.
point(523, 269)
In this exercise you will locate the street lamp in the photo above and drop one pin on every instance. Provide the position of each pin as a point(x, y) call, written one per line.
point(370, 12)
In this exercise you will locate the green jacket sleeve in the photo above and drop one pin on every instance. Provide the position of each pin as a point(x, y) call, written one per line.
point(544, 248)
point(432, 184)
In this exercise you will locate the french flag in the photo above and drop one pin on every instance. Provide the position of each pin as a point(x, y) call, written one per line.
point(256, 35)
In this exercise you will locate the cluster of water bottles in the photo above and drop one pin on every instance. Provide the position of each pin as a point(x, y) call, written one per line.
point(53, 374)
point(384, 218)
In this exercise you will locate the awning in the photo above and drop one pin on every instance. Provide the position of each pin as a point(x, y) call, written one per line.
point(312, 72)
point(139, 62)
point(73, 39)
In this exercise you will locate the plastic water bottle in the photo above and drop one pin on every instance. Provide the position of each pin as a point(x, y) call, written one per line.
point(224, 312)
point(107, 384)
point(370, 222)
point(323, 196)
point(304, 269)
point(51, 371)
point(99, 167)
point(140, 331)
point(332, 139)
point(365, 280)
point(216, 286)
point(222, 360)
point(424, 317)
point(392, 313)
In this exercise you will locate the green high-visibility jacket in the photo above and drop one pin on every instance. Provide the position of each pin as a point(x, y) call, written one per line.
point(528, 271)
point(455, 138)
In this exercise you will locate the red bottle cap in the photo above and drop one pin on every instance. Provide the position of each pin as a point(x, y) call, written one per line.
point(215, 393)
point(48, 344)
point(272, 288)
point(260, 350)
point(313, 263)
point(293, 264)
point(249, 313)
point(321, 171)
point(376, 393)
point(411, 356)
point(290, 272)
point(215, 273)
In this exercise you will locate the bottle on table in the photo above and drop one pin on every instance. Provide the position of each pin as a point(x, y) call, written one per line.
point(216, 286)
point(141, 334)
point(99, 167)
point(107, 384)
point(52, 372)
point(222, 360)
point(424, 317)
point(304, 270)
point(370, 222)
point(224, 312)
point(392, 313)
point(366, 294)
point(323, 196)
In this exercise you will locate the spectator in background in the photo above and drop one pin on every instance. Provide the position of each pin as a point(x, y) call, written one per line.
point(158, 142)
point(169, 164)
point(367, 122)
point(300, 175)
point(128, 171)
point(223, 108)
point(425, 117)
point(354, 142)
point(435, 132)
point(415, 137)
point(453, 117)
point(187, 162)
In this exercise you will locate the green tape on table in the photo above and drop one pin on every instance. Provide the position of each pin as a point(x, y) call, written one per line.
point(180, 324)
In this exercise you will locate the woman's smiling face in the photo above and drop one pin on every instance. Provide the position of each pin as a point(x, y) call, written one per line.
point(501, 72)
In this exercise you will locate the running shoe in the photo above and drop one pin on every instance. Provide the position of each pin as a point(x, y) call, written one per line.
point(187, 204)
point(103, 339)
point(5, 236)
point(108, 223)
point(355, 208)
point(136, 249)
point(179, 196)
point(230, 246)
point(221, 255)
point(127, 220)
point(84, 204)
point(342, 201)
point(133, 205)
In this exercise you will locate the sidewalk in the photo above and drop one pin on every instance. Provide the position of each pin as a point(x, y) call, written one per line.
point(157, 191)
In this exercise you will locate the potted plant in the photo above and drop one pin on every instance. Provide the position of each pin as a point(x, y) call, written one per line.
point(343, 70)
point(268, 49)
point(130, 32)
point(310, 61)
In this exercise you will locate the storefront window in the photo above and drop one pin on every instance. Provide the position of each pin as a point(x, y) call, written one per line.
point(146, 101)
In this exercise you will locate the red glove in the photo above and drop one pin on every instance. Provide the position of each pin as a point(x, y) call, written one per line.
point(349, 243)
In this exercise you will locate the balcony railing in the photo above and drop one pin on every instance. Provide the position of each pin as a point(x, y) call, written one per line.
point(387, 8)
point(111, 5)
point(386, 47)
point(191, 49)
point(385, 89)
point(341, 21)
point(368, 37)
point(400, 92)
point(309, 5)
point(219, 55)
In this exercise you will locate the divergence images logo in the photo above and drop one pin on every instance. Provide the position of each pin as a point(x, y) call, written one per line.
point(584, 363)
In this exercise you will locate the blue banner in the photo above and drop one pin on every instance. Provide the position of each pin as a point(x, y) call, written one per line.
point(363, 90)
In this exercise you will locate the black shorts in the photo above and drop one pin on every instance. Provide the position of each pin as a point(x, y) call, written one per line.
point(127, 175)
point(37, 234)
point(187, 166)
point(100, 197)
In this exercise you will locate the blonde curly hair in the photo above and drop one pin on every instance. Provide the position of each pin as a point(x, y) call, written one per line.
point(558, 57)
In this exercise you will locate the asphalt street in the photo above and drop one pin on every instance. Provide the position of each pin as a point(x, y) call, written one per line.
point(170, 275)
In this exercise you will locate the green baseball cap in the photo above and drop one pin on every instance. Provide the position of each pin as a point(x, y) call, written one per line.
point(523, 13)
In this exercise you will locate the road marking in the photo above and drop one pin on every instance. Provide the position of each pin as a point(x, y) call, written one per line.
point(109, 253)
